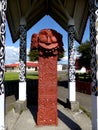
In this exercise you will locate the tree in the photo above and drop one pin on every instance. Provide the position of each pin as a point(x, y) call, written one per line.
point(61, 55)
point(85, 57)
point(33, 55)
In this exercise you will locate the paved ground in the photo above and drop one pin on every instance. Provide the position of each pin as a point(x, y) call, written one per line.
point(83, 99)
point(67, 120)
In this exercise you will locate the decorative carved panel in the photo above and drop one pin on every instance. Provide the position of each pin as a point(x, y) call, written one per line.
point(49, 44)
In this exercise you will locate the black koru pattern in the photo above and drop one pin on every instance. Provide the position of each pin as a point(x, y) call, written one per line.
point(3, 5)
point(71, 53)
point(94, 44)
point(22, 53)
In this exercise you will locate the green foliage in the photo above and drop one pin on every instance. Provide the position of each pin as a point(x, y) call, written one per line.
point(60, 56)
point(33, 55)
point(84, 50)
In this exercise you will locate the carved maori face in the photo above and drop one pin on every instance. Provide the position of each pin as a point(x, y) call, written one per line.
point(48, 41)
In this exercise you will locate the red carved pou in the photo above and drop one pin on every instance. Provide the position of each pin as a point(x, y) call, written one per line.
point(49, 44)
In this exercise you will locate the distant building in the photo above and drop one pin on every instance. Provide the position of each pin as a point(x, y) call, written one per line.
point(30, 66)
point(59, 67)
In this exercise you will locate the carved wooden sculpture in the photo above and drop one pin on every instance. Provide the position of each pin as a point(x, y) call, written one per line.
point(49, 44)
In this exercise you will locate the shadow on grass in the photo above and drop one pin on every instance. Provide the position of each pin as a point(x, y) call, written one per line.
point(12, 88)
point(63, 83)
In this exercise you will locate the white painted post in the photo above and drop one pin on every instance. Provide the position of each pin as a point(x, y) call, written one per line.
point(2, 126)
point(71, 62)
point(22, 82)
point(3, 7)
point(93, 4)
point(22, 91)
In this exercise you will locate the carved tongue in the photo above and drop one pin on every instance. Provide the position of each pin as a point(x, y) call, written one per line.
point(48, 46)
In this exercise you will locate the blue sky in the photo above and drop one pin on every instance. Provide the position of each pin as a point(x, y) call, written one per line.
point(12, 49)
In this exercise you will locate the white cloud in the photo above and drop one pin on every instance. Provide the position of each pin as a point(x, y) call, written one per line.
point(12, 54)
point(64, 58)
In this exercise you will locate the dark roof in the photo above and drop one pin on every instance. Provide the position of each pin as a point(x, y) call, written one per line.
point(60, 10)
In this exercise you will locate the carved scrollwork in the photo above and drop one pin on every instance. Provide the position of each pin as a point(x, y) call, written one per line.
point(22, 53)
point(3, 8)
point(71, 50)
point(49, 44)
point(94, 42)
point(3, 5)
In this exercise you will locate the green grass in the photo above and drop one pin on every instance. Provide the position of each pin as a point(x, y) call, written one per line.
point(33, 75)
point(83, 77)
point(86, 112)
point(11, 76)
point(15, 75)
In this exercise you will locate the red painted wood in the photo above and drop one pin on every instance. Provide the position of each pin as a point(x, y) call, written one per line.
point(47, 91)
point(49, 44)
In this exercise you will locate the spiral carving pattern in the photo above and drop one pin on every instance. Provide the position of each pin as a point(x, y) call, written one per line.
point(94, 44)
point(3, 5)
point(71, 52)
point(22, 53)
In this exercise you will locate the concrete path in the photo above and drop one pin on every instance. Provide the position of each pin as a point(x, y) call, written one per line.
point(67, 120)
point(83, 99)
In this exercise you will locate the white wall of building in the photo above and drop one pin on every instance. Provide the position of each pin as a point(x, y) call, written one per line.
point(59, 67)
